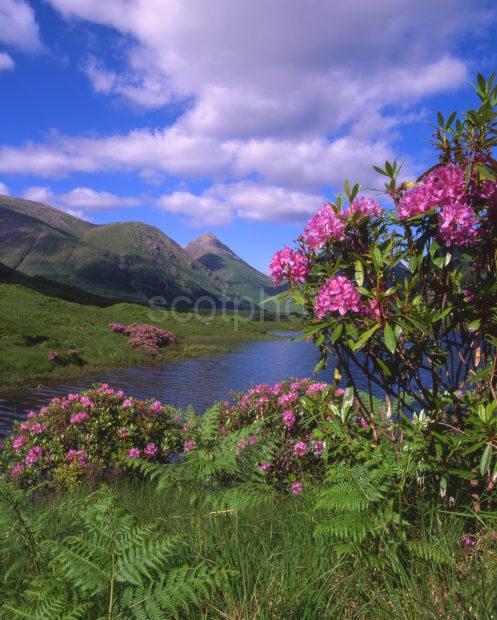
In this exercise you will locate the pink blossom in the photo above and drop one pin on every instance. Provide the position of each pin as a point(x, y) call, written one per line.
point(127, 403)
point(53, 356)
point(316, 388)
point(31, 415)
point(318, 447)
point(265, 467)
point(364, 423)
point(299, 449)
point(17, 470)
point(150, 450)
point(36, 428)
point(72, 397)
point(288, 418)
point(33, 455)
point(133, 453)
point(18, 442)
point(122, 433)
point(86, 402)
point(337, 294)
point(78, 457)
point(289, 264)
point(252, 440)
point(81, 416)
point(367, 207)
point(156, 407)
point(297, 488)
point(288, 399)
point(457, 224)
point(120, 393)
point(323, 227)
point(189, 445)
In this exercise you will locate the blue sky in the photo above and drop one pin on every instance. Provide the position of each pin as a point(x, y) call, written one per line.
point(236, 117)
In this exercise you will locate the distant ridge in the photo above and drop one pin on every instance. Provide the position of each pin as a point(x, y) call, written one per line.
point(127, 261)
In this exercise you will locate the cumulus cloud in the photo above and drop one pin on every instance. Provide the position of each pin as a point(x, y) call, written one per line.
point(80, 200)
point(6, 62)
point(4, 190)
point(249, 201)
point(18, 26)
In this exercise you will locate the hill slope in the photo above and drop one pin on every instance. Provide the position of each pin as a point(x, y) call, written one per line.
point(129, 261)
point(239, 277)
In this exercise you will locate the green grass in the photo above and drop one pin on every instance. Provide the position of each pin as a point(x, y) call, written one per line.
point(32, 324)
point(278, 569)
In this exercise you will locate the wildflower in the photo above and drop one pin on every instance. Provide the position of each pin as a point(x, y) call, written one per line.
point(156, 407)
point(323, 227)
point(288, 399)
point(297, 488)
point(36, 428)
point(265, 467)
point(81, 416)
point(86, 402)
point(367, 207)
point(189, 445)
point(288, 418)
point(338, 294)
point(133, 453)
point(31, 415)
point(18, 442)
point(364, 423)
point(73, 397)
point(316, 388)
point(53, 356)
point(127, 403)
point(289, 264)
point(17, 470)
point(457, 225)
point(468, 542)
point(252, 440)
point(120, 393)
point(78, 457)
point(151, 450)
point(33, 455)
point(318, 447)
point(299, 449)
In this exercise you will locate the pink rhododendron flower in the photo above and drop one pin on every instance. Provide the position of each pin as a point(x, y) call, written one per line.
point(189, 445)
point(78, 457)
point(364, 423)
point(367, 207)
point(33, 455)
point(316, 388)
point(457, 225)
point(289, 264)
point(36, 428)
point(337, 294)
point(31, 415)
point(150, 450)
point(120, 393)
point(297, 488)
point(73, 397)
point(252, 440)
point(299, 449)
point(156, 407)
point(288, 418)
point(16, 470)
point(323, 227)
point(265, 467)
point(86, 402)
point(318, 447)
point(127, 403)
point(133, 453)
point(288, 399)
point(18, 442)
point(81, 416)
point(53, 356)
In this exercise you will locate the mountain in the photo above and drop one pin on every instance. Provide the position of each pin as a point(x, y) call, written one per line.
point(240, 279)
point(126, 261)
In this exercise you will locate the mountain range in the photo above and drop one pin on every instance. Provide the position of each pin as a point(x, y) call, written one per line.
point(127, 261)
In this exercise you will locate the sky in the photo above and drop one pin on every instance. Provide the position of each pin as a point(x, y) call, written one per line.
point(237, 117)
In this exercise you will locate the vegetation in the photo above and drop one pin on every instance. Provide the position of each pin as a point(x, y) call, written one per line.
point(34, 324)
point(302, 499)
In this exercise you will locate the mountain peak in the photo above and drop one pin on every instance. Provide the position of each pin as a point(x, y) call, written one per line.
point(207, 243)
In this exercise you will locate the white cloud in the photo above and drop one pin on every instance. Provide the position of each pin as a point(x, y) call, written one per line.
point(80, 200)
point(4, 190)
point(250, 201)
point(18, 26)
point(6, 62)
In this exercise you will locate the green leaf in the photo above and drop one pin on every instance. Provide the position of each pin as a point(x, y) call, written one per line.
point(337, 332)
point(474, 325)
point(389, 338)
point(485, 460)
point(384, 368)
point(359, 273)
point(366, 336)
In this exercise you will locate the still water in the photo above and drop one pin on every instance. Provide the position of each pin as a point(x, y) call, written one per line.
point(200, 381)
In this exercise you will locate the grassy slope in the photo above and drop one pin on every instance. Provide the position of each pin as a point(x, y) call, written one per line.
point(33, 324)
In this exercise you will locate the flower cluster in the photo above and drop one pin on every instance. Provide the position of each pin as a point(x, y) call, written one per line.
point(458, 224)
point(148, 337)
point(366, 207)
point(288, 264)
point(90, 435)
point(338, 294)
point(293, 417)
point(323, 227)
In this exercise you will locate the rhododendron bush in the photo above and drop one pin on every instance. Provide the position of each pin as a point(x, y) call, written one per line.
point(403, 286)
point(90, 436)
point(148, 337)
